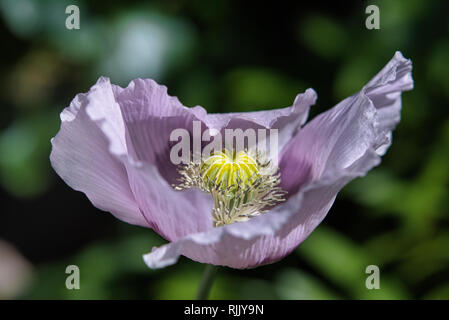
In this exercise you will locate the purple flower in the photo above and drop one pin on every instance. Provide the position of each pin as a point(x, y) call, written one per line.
point(114, 145)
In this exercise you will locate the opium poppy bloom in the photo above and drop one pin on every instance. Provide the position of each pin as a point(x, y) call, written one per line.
point(235, 208)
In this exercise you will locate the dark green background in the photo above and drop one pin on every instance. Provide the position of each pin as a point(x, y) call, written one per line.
point(228, 56)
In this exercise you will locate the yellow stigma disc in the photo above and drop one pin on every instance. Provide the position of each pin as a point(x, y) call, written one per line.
point(230, 168)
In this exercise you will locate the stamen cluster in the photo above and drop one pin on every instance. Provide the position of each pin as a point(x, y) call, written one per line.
point(242, 186)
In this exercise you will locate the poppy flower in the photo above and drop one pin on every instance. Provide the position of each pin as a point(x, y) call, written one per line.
point(235, 208)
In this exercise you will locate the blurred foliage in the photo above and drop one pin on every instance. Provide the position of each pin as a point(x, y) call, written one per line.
point(229, 56)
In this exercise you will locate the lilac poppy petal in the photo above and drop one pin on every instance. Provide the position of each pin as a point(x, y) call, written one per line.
point(150, 115)
point(81, 153)
point(144, 97)
point(173, 214)
point(338, 145)
point(286, 120)
point(386, 99)
point(92, 153)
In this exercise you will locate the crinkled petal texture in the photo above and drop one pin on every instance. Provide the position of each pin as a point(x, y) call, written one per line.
point(328, 152)
point(114, 145)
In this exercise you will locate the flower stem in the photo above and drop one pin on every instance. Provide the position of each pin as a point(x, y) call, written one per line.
point(206, 282)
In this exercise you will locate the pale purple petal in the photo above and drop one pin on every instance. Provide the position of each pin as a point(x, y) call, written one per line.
point(144, 97)
point(150, 115)
point(173, 214)
point(81, 153)
point(93, 153)
point(286, 120)
point(386, 99)
point(357, 123)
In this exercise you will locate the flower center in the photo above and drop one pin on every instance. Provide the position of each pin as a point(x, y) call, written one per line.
point(242, 185)
point(230, 169)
